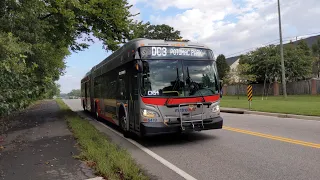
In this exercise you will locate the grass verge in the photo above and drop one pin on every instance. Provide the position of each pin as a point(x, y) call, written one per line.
point(106, 158)
point(300, 105)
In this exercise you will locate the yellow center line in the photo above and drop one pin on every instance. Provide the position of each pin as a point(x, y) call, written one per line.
point(293, 141)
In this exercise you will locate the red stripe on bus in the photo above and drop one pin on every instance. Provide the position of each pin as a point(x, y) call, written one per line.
point(162, 101)
point(107, 118)
point(100, 114)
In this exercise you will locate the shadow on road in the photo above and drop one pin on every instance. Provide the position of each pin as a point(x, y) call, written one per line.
point(30, 117)
point(175, 139)
point(161, 140)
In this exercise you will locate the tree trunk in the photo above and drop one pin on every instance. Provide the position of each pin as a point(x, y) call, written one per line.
point(319, 67)
point(264, 86)
point(268, 89)
point(238, 92)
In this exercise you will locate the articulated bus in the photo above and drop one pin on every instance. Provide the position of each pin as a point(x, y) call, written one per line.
point(150, 87)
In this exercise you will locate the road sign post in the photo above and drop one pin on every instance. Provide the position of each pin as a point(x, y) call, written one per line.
point(249, 94)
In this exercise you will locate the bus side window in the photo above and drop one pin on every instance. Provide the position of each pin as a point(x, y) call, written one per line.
point(113, 87)
point(122, 89)
point(135, 80)
point(105, 86)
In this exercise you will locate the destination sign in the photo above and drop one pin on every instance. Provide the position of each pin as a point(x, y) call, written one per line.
point(174, 52)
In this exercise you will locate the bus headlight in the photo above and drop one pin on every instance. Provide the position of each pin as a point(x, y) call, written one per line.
point(216, 109)
point(149, 114)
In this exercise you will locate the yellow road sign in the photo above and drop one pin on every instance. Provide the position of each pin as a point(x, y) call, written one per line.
point(249, 93)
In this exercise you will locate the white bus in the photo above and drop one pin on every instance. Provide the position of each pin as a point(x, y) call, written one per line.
point(151, 87)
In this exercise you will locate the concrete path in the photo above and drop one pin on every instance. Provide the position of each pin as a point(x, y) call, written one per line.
point(38, 145)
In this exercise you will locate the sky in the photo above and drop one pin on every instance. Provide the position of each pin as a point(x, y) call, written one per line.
point(228, 27)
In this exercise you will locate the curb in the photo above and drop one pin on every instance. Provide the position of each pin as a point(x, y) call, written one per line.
point(96, 178)
point(233, 110)
point(280, 115)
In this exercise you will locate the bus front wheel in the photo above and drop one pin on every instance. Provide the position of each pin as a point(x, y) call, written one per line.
point(123, 125)
point(96, 115)
point(83, 106)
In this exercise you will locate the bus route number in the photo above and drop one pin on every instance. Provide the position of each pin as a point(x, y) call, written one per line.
point(159, 51)
point(153, 93)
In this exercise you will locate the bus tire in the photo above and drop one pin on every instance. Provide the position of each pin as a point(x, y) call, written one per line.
point(96, 115)
point(123, 124)
point(83, 106)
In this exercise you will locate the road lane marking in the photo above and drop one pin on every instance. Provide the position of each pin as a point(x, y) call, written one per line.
point(288, 140)
point(281, 118)
point(154, 155)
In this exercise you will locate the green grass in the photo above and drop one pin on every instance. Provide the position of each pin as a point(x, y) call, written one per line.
point(301, 105)
point(107, 159)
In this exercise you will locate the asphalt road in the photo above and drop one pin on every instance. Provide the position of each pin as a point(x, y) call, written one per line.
point(249, 147)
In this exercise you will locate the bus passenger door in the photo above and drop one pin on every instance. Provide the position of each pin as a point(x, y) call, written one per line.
point(86, 95)
point(133, 104)
point(84, 101)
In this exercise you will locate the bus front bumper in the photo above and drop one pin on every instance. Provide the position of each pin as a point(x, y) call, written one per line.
point(158, 128)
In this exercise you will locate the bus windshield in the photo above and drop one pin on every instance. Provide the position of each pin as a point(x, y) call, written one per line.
point(179, 78)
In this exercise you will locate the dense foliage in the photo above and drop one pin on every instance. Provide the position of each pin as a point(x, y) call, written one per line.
point(16, 78)
point(75, 92)
point(222, 65)
point(240, 75)
point(162, 31)
point(316, 56)
point(265, 62)
point(147, 30)
point(37, 35)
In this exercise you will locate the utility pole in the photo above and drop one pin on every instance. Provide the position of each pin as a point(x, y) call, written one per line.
point(284, 86)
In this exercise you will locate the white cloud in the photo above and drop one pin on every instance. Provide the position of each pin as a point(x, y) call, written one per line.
point(134, 9)
point(213, 5)
point(134, 2)
point(208, 21)
point(227, 26)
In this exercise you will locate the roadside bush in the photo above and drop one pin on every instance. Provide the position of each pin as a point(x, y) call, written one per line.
point(17, 86)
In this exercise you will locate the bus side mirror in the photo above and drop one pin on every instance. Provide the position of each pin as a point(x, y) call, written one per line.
point(138, 67)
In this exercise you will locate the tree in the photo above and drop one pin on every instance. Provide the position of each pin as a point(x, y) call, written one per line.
point(54, 91)
point(137, 30)
point(303, 46)
point(68, 21)
point(298, 61)
point(163, 31)
point(222, 66)
point(243, 72)
point(241, 75)
point(75, 92)
point(17, 88)
point(37, 35)
point(265, 62)
point(316, 56)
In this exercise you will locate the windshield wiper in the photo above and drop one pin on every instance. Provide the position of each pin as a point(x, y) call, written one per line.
point(177, 80)
point(191, 81)
point(216, 84)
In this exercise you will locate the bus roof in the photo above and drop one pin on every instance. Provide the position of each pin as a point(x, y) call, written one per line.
point(139, 42)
